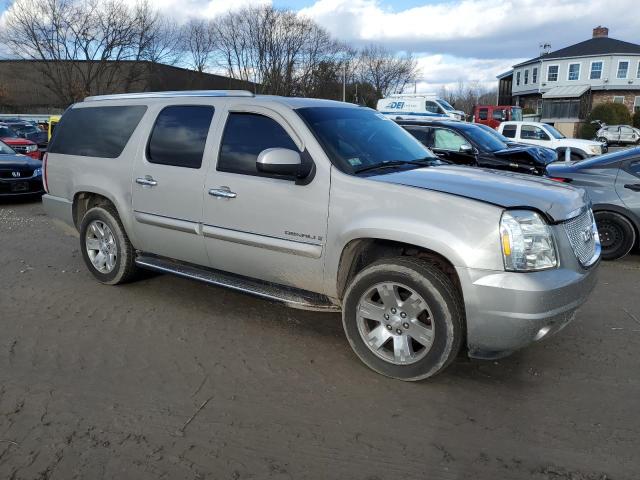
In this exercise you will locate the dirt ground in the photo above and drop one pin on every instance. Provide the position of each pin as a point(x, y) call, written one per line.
point(167, 378)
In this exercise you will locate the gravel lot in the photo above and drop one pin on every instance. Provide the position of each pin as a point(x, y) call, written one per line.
point(167, 378)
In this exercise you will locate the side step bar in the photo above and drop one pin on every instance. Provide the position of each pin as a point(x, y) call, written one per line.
point(292, 297)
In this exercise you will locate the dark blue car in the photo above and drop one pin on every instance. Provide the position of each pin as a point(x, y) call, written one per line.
point(613, 183)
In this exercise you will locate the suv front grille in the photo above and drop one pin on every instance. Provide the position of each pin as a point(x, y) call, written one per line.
point(583, 237)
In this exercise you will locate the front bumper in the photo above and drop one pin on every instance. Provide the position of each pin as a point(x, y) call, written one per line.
point(21, 186)
point(509, 310)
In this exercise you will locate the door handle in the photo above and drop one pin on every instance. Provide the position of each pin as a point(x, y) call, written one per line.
point(633, 186)
point(222, 192)
point(146, 181)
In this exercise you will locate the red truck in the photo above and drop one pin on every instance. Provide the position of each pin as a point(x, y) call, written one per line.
point(20, 145)
point(494, 115)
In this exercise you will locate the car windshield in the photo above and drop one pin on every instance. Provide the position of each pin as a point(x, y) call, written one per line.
point(554, 133)
point(360, 138)
point(516, 114)
point(484, 139)
point(26, 129)
point(6, 149)
point(6, 132)
point(446, 105)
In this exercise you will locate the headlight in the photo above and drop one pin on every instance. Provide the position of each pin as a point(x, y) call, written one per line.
point(37, 172)
point(595, 149)
point(527, 242)
point(31, 148)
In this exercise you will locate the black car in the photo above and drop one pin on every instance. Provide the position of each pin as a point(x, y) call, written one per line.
point(470, 144)
point(19, 174)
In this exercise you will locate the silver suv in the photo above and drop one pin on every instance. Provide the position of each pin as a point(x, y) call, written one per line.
point(327, 206)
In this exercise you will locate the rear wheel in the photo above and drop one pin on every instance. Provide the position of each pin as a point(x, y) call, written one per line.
point(617, 234)
point(404, 318)
point(105, 247)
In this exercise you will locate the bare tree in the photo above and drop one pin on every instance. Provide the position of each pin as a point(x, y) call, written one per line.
point(199, 43)
point(385, 71)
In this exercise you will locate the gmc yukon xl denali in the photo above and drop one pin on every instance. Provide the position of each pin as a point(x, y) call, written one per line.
point(327, 206)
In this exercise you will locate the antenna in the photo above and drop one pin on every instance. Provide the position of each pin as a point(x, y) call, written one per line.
point(545, 48)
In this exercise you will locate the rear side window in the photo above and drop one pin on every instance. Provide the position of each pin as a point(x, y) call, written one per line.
point(180, 135)
point(96, 131)
point(245, 136)
point(509, 131)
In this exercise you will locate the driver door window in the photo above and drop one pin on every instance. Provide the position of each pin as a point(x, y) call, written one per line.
point(448, 140)
point(432, 107)
point(532, 132)
point(245, 136)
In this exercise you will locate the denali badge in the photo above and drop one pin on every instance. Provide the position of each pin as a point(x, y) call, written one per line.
point(587, 235)
point(15, 174)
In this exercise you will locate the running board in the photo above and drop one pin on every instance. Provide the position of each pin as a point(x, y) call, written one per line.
point(292, 297)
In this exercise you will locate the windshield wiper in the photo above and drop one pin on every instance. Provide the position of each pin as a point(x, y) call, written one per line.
point(426, 161)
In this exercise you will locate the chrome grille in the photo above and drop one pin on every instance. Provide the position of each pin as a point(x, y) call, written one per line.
point(583, 237)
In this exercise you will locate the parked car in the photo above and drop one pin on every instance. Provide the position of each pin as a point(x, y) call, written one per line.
point(618, 135)
point(33, 133)
point(470, 144)
point(328, 206)
point(613, 184)
point(19, 175)
point(494, 115)
point(536, 133)
point(20, 145)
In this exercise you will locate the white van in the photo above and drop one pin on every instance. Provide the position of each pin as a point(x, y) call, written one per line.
point(410, 106)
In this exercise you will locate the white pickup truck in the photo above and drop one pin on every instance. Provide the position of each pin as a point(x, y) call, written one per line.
point(536, 133)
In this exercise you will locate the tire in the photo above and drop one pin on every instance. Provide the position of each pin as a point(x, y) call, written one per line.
point(432, 304)
point(617, 234)
point(122, 267)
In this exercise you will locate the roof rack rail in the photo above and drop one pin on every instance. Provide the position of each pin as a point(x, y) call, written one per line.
point(172, 94)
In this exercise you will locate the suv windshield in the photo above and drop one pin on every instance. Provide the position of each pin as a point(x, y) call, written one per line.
point(554, 133)
point(516, 114)
point(360, 138)
point(6, 132)
point(487, 141)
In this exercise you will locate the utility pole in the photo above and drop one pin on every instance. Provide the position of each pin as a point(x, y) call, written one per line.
point(344, 83)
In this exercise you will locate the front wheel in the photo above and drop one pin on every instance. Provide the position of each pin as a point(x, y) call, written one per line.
point(617, 234)
point(603, 141)
point(403, 318)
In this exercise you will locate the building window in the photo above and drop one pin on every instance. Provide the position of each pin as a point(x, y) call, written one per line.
point(623, 69)
point(526, 77)
point(596, 71)
point(517, 78)
point(638, 72)
point(534, 74)
point(552, 73)
point(574, 71)
point(618, 99)
point(636, 105)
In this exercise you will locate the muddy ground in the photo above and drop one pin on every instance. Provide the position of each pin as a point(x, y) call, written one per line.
point(167, 378)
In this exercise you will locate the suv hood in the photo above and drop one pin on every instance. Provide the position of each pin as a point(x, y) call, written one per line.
point(586, 143)
point(505, 189)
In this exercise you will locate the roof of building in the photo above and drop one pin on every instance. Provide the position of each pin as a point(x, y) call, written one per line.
point(593, 46)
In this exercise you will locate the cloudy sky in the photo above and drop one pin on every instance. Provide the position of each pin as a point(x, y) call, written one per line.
point(452, 39)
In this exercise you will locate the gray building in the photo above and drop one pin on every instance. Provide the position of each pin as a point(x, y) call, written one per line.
point(564, 85)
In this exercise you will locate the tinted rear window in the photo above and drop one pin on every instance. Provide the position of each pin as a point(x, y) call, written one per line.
point(96, 131)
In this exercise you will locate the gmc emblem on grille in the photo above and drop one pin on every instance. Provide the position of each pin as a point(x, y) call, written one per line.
point(15, 174)
point(587, 235)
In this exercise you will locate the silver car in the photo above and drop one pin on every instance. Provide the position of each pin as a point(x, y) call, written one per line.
point(327, 206)
point(618, 135)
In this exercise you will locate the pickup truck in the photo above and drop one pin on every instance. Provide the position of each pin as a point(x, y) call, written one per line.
point(326, 206)
point(544, 135)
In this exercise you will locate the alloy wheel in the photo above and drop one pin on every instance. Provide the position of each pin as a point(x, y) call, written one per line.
point(101, 246)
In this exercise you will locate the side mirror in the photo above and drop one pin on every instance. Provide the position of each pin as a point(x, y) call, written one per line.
point(281, 161)
point(466, 148)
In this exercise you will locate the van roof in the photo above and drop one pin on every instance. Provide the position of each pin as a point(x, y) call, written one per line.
point(293, 102)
